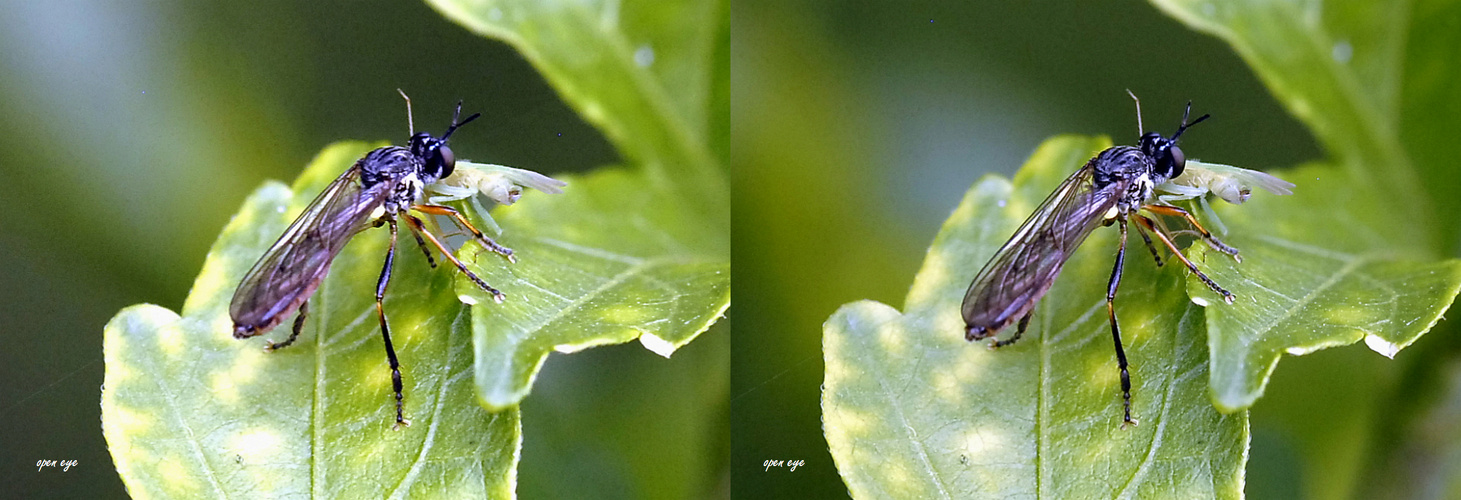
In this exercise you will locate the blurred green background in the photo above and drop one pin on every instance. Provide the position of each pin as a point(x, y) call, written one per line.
point(129, 134)
point(858, 126)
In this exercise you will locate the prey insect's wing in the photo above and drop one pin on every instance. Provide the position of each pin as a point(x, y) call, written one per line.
point(291, 270)
point(1023, 269)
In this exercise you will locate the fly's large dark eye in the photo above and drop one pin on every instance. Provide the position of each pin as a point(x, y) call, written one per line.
point(445, 159)
point(1176, 160)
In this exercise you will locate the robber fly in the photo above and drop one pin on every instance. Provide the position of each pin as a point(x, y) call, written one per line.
point(1112, 188)
point(379, 189)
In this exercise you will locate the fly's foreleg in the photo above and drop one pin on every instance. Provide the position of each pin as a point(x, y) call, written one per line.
point(457, 216)
point(1150, 225)
point(1211, 240)
point(418, 226)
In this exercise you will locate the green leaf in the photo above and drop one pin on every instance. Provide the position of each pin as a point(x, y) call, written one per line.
point(912, 410)
point(190, 411)
point(642, 252)
point(1374, 81)
point(612, 263)
point(1350, 256)
point(651, 75)
point(1319, 270)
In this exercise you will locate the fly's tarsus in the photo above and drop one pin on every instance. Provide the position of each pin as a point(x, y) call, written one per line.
point(1019, 330)
point(293, 332)
point(1206, 236)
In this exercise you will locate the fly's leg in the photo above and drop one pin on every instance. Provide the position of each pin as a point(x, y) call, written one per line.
point(1149, 246)
point(1019, 330)
point(481, 238)
point(1211, 240)
point(385, 329)
point(1144, 221)
point(422, 243)
point(294, 334)
point(382, 221)
point(420, 227)
point(1116, 330)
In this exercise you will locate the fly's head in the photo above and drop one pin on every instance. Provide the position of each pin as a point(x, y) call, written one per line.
point(1167, 159)
point(437, 160)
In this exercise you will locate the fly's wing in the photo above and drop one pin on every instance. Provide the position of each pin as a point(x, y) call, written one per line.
point(292, 269)
point(1023, 269)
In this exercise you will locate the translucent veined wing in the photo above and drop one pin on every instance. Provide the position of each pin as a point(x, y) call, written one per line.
point(1023, 269)
point(291, 270)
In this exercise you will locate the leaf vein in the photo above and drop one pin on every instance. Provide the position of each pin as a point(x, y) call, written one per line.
point(191, 438)
point(426, 443)
point(918, 443)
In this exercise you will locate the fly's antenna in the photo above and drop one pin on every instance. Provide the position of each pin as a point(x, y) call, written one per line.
point(1139, 129)
point(457, 124)
point(1186, 125)
point(410, 125)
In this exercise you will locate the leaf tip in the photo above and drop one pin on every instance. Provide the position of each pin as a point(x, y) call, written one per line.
point(656, 345)
point(1384, 347)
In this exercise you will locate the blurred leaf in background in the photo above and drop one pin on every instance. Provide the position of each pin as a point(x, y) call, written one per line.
point(323, 84)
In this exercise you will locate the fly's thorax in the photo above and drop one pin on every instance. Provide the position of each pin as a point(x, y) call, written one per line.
point(1128, 174)
point(1129, 171)
point(387, 163)
point(1119, 165)
point(400, 169)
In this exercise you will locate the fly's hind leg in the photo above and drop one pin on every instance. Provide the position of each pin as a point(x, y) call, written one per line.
point(294, 333)
point(419, 242)
point(1019, 330)
point(422, 243)
point(1149, 246)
